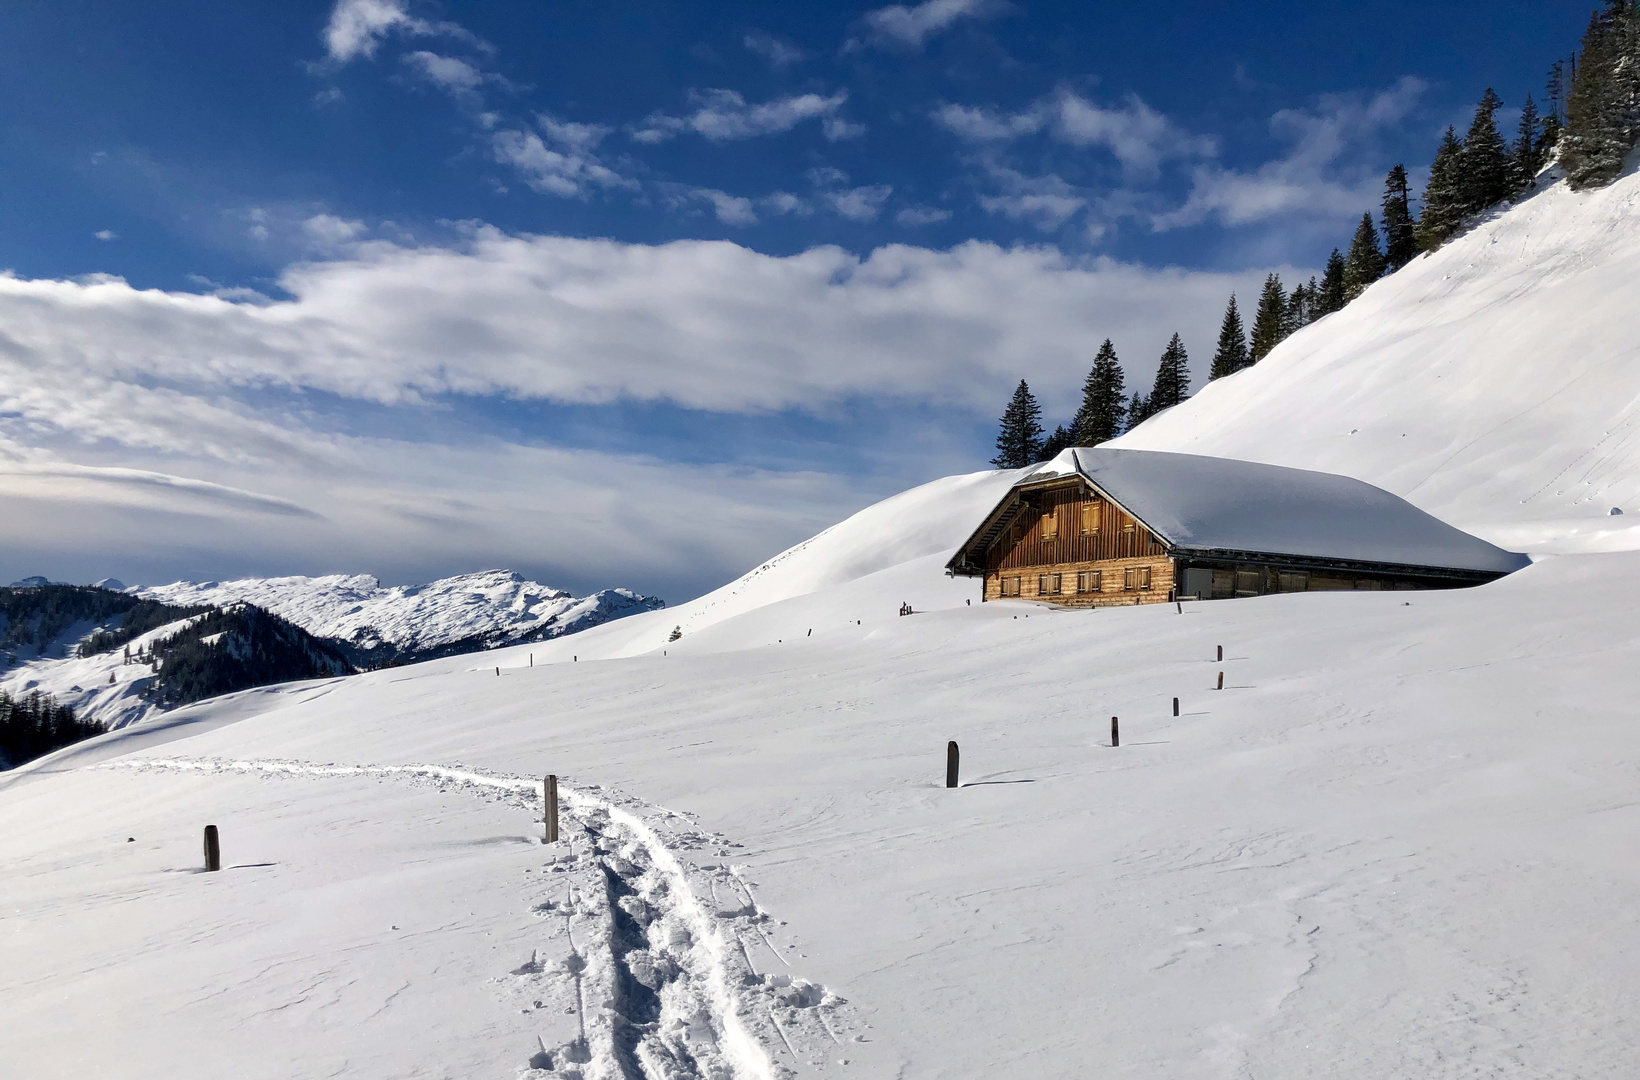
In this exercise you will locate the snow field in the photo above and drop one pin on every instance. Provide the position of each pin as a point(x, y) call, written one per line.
point(1398, 843)
point(1492, 383)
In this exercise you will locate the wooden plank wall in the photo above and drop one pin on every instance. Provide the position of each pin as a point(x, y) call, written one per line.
point(1113, 581)
point(1023, 544)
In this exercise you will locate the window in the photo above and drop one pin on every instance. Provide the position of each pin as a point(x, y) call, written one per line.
point(1295, 581)
point(1144, 577)
point(1010, 586)
point(1130, 579)
point(1090, 581)
point(1090, 518)
point(1047, 585)
point(1050, 524)
point(1127, 526)
point(1247, 583)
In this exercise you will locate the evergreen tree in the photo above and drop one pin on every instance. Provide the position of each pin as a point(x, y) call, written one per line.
point(1270, 323)
point(1554, 121)
point(1365, 264)
point(1296, 315)
point(1138, 411)
point(1527, 156)
point(1019, 443)
point(1103, 404)
point(1443, 199)
point(1062, 439)
point(1483, 163)
point(1400, 239)
point(1331, 297)
point(1231, 355)
point(1604, 99)
point(1172, 377)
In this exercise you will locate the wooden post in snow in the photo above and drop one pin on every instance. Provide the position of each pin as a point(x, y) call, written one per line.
point(213, 850)
point(1221, 680)
point(1221, 654)
point(1115, 736)
point(1175, 706)
point(549, 808)
point(951, 764)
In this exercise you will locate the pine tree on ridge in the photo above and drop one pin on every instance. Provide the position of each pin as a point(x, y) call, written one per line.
point(1365, 263)
point(1172, 383)
point(1400, 230)
point(1443, 199)
point(1231, 355)
point(1103, 403)
point(1270, 322)
point(1019, 443)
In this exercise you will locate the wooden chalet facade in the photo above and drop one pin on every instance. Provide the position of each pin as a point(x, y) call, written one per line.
point(1120, 527)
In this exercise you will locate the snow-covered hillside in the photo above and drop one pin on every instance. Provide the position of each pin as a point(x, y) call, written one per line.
point(454, 614)
point(1495, 383)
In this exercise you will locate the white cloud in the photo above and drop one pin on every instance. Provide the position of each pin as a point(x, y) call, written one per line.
point(1323, 175)
point(453, 74)
point(859, 204)
point(922, 215)
point(723, 116)
point(568, 167)
point(1139, 137)
point(356, 28)
point(1045, 201)
point(913, 26)
point(106, 234)
point(730, 209)
point(836, 129)
point(201, 399)
point(329, 231)
point(706, 324)
point(779, 52)
point(784, 202)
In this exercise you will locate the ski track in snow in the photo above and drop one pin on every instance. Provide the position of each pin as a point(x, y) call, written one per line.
point(659, 979)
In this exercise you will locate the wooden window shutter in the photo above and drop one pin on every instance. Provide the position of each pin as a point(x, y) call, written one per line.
point(1050, 523)
point(1090, 518)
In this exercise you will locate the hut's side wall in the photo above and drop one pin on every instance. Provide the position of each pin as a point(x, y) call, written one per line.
point(1102, 583)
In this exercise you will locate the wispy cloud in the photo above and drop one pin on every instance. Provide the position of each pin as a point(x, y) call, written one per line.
point(912, 26)
point(1323, 175)
point(724, 116)
point(922, 215)
point(558, 158)
point(1045, 201)
point(1139, 137)
point(779, 52)
point(356, 28)
point(106, 234)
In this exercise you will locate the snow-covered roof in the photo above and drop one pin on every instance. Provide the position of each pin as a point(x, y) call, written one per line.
point(1199, 504)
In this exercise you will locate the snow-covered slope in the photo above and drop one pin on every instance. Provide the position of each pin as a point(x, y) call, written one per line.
point(900, 543)
point(1495, 383)
point(461, 613)
point(103, 688)
point(1400, 842)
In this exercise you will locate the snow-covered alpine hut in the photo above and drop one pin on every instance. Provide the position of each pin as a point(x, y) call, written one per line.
point(1095, 527)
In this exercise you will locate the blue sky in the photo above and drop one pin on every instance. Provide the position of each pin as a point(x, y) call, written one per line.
point(409, 288)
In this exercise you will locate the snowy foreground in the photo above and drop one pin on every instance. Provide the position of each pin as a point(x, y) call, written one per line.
point(1400, 842)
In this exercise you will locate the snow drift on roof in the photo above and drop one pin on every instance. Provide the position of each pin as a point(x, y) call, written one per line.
point(1204, 503)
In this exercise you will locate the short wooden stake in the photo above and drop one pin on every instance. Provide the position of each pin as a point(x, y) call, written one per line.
point(951, 764)
point(1221, 680)
point(213, 850)
point(1115, 736)
point(1221, 654)
point(549, 808)
point(1175, 706)
point(1180, 605)
point(498, 673)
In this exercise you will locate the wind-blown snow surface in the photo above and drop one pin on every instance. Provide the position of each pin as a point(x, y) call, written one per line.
point(1495, 383)
point(494, 606)
point(1400, 842)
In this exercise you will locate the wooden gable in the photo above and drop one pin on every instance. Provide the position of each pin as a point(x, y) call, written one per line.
point(1069, 523)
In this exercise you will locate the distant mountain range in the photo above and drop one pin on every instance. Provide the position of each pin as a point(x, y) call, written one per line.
point(118, 654)
point(374, 625)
